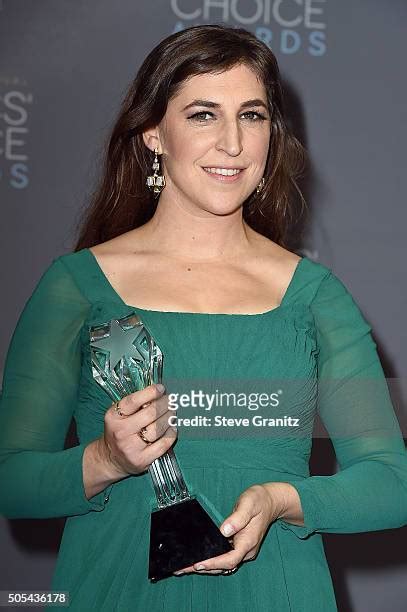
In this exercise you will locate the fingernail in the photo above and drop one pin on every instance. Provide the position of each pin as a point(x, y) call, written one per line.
point(178, 573)
point(227, 529)
point(160, 387)
point(199, 567)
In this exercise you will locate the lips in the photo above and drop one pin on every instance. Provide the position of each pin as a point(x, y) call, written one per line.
point(228, 177)
point(225, 171)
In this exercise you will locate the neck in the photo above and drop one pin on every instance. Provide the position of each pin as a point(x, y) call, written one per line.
point(194, 234)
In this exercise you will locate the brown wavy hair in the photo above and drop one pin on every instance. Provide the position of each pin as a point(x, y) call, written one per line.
point(122, 201)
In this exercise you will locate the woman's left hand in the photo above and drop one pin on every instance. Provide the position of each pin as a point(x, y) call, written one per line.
point(255, 509)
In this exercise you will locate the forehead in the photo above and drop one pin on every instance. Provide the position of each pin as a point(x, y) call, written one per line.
point(239, 83)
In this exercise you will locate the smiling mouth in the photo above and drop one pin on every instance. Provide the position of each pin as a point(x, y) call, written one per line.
point(225, 175)
point(223, 171)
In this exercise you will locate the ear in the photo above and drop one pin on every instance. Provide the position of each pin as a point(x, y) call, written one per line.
point(152, 140)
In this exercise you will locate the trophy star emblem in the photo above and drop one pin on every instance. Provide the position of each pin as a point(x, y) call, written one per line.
point(119, 343)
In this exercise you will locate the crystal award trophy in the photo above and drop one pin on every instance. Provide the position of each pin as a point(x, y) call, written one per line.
point(126, 358)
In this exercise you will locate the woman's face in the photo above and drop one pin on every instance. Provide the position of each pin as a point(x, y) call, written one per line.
point(216, 121)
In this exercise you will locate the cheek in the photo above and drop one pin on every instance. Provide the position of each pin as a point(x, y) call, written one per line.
point(177, 147)
point(184, 152)
point(257, 145)
point(186, 143)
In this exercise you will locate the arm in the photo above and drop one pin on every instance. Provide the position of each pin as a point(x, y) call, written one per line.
point(98, 470)
point(38, 478)
point(287, 500)
point(369, 492)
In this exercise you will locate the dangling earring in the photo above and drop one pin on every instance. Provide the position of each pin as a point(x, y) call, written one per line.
point(260, 185)
point(156, 182)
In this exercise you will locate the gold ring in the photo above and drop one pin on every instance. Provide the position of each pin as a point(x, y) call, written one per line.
point(142, 434)
point(229, 571)
point(117, 409)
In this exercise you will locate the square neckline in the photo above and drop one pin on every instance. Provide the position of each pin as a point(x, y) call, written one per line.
point(113, 291)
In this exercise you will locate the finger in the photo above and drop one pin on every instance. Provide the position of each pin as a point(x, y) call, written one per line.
point(159, 447)
point(226, 561)
point(156, 429)
point(250, 556)
point(244, 543)
point(131, 425)
point(146, 415)
point(134, 401)
point(240, 518)
point(185, 570)
point(149, 415)
point(190, 570)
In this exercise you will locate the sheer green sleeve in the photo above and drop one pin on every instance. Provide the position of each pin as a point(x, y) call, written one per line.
point(38, 477)
point(369, 492)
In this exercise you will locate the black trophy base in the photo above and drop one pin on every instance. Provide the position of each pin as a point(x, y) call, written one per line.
point(181, 535)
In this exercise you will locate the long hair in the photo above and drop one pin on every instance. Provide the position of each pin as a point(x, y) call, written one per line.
point(122, 201)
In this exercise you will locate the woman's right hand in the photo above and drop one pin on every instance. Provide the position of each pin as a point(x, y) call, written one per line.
point(122, 447)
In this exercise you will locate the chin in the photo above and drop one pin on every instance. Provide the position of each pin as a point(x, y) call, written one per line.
point(222, 208)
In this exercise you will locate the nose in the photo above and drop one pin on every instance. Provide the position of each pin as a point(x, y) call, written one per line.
point(230, 138)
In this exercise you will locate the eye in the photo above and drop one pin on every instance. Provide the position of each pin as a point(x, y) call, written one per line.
point(199, 116)
point(255, 116)
point(203, 116)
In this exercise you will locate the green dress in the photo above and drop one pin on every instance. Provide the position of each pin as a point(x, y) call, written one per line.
point(317, 336)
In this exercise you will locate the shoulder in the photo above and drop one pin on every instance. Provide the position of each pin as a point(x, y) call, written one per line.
point(119, 252)
point(54, 273)
point(70, 265)
point(131, 242)
point(336, 309)
point(316, 283)
point(332, 286)
point(74, 274)
point(55, 290)
point(281, 259)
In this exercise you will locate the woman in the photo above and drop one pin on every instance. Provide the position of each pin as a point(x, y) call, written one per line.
point(206, 264)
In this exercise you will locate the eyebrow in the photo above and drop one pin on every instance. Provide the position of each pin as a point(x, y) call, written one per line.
point(210, 104)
